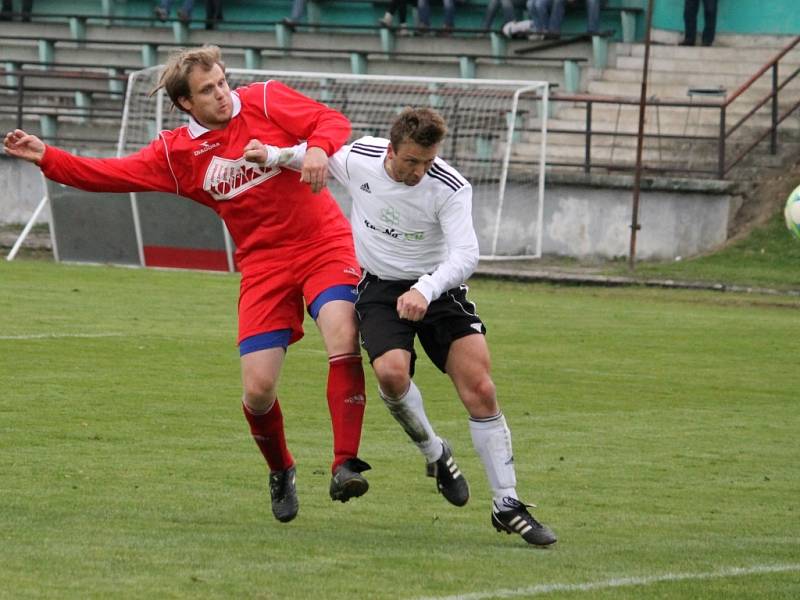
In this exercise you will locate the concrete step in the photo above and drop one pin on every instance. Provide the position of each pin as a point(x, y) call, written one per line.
point(576, 154)
point(755, 54)
point(728, 82)
point(67, 85)
point(630, 140)
point(627, 116)
point(673, 38)
point(744, 67)
point(690, 128)
point(787, 96)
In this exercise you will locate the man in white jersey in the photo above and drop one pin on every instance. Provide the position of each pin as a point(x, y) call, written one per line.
point(412, 226)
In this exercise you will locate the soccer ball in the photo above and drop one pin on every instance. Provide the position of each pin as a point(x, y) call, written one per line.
point(792, 212)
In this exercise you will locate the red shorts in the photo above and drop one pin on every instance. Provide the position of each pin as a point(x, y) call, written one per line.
point(273, 293)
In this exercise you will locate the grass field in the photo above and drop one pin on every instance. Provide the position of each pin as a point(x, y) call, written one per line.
point(768, 257)
point(656, 430)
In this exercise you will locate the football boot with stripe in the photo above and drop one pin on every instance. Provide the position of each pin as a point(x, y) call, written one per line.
point(449, 479)
point(513, 517)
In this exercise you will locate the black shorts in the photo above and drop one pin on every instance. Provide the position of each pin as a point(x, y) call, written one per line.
point(449, 317)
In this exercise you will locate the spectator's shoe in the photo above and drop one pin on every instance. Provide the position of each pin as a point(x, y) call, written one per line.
point(386, 20)
point(449, 480)
point(184, 16)
point(160, 13)
point(290, 25)
point(347, 481)
point(513, 517)
point(686, 43)
point(284, 494)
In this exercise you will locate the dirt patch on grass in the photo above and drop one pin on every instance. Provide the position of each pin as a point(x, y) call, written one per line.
point(763, 200)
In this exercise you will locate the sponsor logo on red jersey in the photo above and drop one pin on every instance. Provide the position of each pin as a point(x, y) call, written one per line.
point(226, 179)
point(205, 147)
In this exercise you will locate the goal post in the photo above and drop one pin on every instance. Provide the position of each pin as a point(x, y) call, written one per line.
point(497, 139)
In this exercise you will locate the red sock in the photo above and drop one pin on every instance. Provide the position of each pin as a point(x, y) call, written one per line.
point(267, 430)
point(346, 401)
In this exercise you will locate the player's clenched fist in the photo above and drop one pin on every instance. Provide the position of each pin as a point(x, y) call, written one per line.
point(315, 168)
point(22, 145)
point(266, 155)
point(412, 306)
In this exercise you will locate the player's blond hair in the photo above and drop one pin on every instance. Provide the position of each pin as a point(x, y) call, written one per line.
point(175, 76)
point(423, 126)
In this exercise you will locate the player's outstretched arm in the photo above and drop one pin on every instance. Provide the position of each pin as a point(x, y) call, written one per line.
point(22, 145)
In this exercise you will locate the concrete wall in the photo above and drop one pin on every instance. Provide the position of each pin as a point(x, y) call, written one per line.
point(581, 221)
point(21, 189)
point(590, 221)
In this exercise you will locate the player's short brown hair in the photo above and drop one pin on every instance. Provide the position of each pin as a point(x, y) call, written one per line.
point(175, 76)
point(423, 126)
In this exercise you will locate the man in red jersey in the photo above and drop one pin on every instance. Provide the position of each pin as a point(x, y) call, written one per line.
point(294, 245)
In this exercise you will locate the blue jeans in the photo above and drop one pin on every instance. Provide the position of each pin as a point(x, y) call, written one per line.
point(493, 7)
point(548, 15)
point(187, 5)
point(298, 8)
point(424, 10)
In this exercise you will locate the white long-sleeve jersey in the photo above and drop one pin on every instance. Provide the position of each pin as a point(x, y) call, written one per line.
point(402, 232)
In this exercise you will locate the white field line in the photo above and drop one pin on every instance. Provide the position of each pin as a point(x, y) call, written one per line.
point(548, 588)
point(48, 336)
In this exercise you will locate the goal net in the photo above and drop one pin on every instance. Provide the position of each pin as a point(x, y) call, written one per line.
point(496, 137)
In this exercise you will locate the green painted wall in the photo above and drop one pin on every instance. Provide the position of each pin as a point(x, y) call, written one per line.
point(736, 16)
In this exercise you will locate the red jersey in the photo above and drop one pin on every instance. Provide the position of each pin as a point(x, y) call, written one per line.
point(267, 210)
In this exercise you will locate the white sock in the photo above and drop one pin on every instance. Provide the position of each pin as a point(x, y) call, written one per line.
point(410, 413)
point(492, 441)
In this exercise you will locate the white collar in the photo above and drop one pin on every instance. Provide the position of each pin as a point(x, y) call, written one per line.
point(196, 130)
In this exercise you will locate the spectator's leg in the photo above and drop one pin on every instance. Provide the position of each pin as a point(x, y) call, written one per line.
point(27, 6)
point(710, 17)
point(508, 11)
point(593, 16)
point(488, 16)
point(449, 13)
point(211, 14)
point(542, 10)
point(557, 16)
point(162, 9)
point(424, 11)
point(298, 8)
point(690, 8)
point(402, 12)
point(6, 10)
point(185, 13)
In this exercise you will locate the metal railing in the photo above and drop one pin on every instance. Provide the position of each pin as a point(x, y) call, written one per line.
point(726, 160)
point(23, 97)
